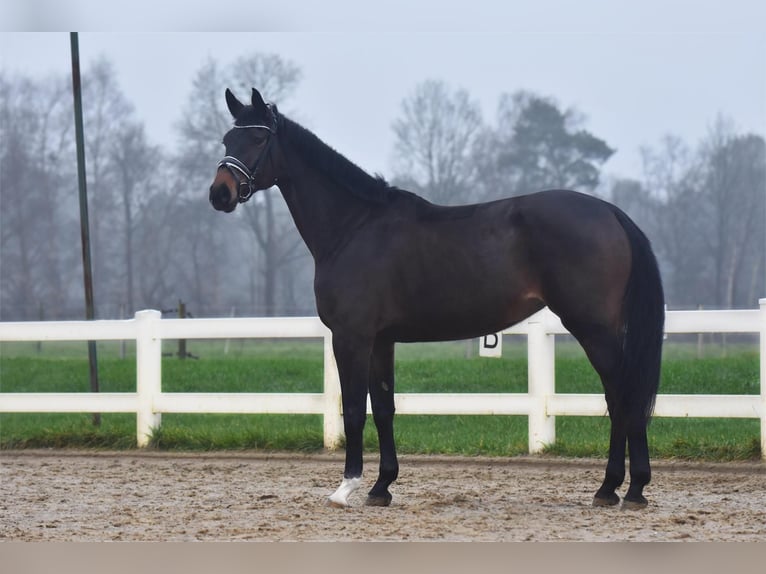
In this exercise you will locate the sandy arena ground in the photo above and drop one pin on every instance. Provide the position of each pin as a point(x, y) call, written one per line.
point(86, 496)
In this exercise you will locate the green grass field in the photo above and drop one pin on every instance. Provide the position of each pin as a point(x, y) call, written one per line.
point(296, 366)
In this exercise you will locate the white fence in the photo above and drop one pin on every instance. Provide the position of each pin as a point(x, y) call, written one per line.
point(541, 404)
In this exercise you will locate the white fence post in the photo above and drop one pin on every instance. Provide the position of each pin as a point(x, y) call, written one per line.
point(762, 303)
point(148, 373)
point(541, 353)
point(333, 422)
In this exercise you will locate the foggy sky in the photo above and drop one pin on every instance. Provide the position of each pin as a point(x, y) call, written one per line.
point(636, 73)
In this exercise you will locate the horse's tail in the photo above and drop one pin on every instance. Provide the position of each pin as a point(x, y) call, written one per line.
point(643, 313)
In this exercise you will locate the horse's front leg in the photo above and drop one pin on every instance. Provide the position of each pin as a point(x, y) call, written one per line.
point(353, 359)
point(382, 397)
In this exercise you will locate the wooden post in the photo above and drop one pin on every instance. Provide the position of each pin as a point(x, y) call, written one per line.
point(40, 317)
point(123, 348)
point(226, 343)
point(181, 342)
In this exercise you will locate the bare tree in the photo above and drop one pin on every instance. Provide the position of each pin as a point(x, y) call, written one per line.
point(434, 140)
point(35, 218)
point(709, 217)
point(636, 200)
point(106, 112)
point(155, 251)
point(672, 177)
point(135, 166)
point(734, 186)
point(195, 256)
point(204, 122)
point(270, 73)
point(270, 222)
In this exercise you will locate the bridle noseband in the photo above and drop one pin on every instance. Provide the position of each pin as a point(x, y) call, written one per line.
point(236, 166)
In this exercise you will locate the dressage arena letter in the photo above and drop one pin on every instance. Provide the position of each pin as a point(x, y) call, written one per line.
point(491, 345)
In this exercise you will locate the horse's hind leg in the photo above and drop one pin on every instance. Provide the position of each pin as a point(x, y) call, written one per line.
point(640, 471)
point(628, 424)
point(381, 388)
point(604, 350)
point(615, 469)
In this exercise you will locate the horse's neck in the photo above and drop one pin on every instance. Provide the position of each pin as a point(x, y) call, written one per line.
point(324, 214)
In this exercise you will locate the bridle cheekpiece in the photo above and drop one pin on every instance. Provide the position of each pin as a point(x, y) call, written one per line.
point(236, 166)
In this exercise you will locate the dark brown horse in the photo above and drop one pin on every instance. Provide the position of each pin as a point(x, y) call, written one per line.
point(390, 266)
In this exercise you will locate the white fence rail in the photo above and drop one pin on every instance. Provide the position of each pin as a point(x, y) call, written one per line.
point(541, 404)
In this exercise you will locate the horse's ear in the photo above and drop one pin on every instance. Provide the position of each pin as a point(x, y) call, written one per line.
point(235, 106)
point(257, 100)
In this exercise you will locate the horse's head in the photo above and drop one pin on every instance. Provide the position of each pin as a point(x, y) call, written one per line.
point(247, 166)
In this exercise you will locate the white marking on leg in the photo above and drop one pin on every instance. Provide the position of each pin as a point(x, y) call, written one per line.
point(346, 488)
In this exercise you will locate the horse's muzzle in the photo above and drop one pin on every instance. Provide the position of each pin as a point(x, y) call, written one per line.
point(221, 198)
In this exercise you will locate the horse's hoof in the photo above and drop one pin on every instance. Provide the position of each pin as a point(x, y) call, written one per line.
point(378, 500)
point(638, 504)
point(339, 498)
point(330, 503)
point(606, 500)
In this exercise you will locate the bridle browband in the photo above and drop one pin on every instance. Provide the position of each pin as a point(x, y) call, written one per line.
point(236, 166)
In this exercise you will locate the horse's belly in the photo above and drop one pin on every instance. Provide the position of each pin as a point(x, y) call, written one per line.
point(464, 321)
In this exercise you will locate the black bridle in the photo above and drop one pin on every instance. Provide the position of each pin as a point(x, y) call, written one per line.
point(238, 168)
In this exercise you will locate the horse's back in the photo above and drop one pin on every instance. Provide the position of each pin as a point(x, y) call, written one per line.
point(427, 272)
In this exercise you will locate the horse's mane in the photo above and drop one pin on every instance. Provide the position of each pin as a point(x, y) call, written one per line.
point(335, 166)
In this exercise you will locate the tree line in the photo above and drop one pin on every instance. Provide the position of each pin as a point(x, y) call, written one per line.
point(702, 206)
point(155, 239)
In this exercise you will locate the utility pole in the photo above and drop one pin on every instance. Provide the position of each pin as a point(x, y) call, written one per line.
point(84, 222)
